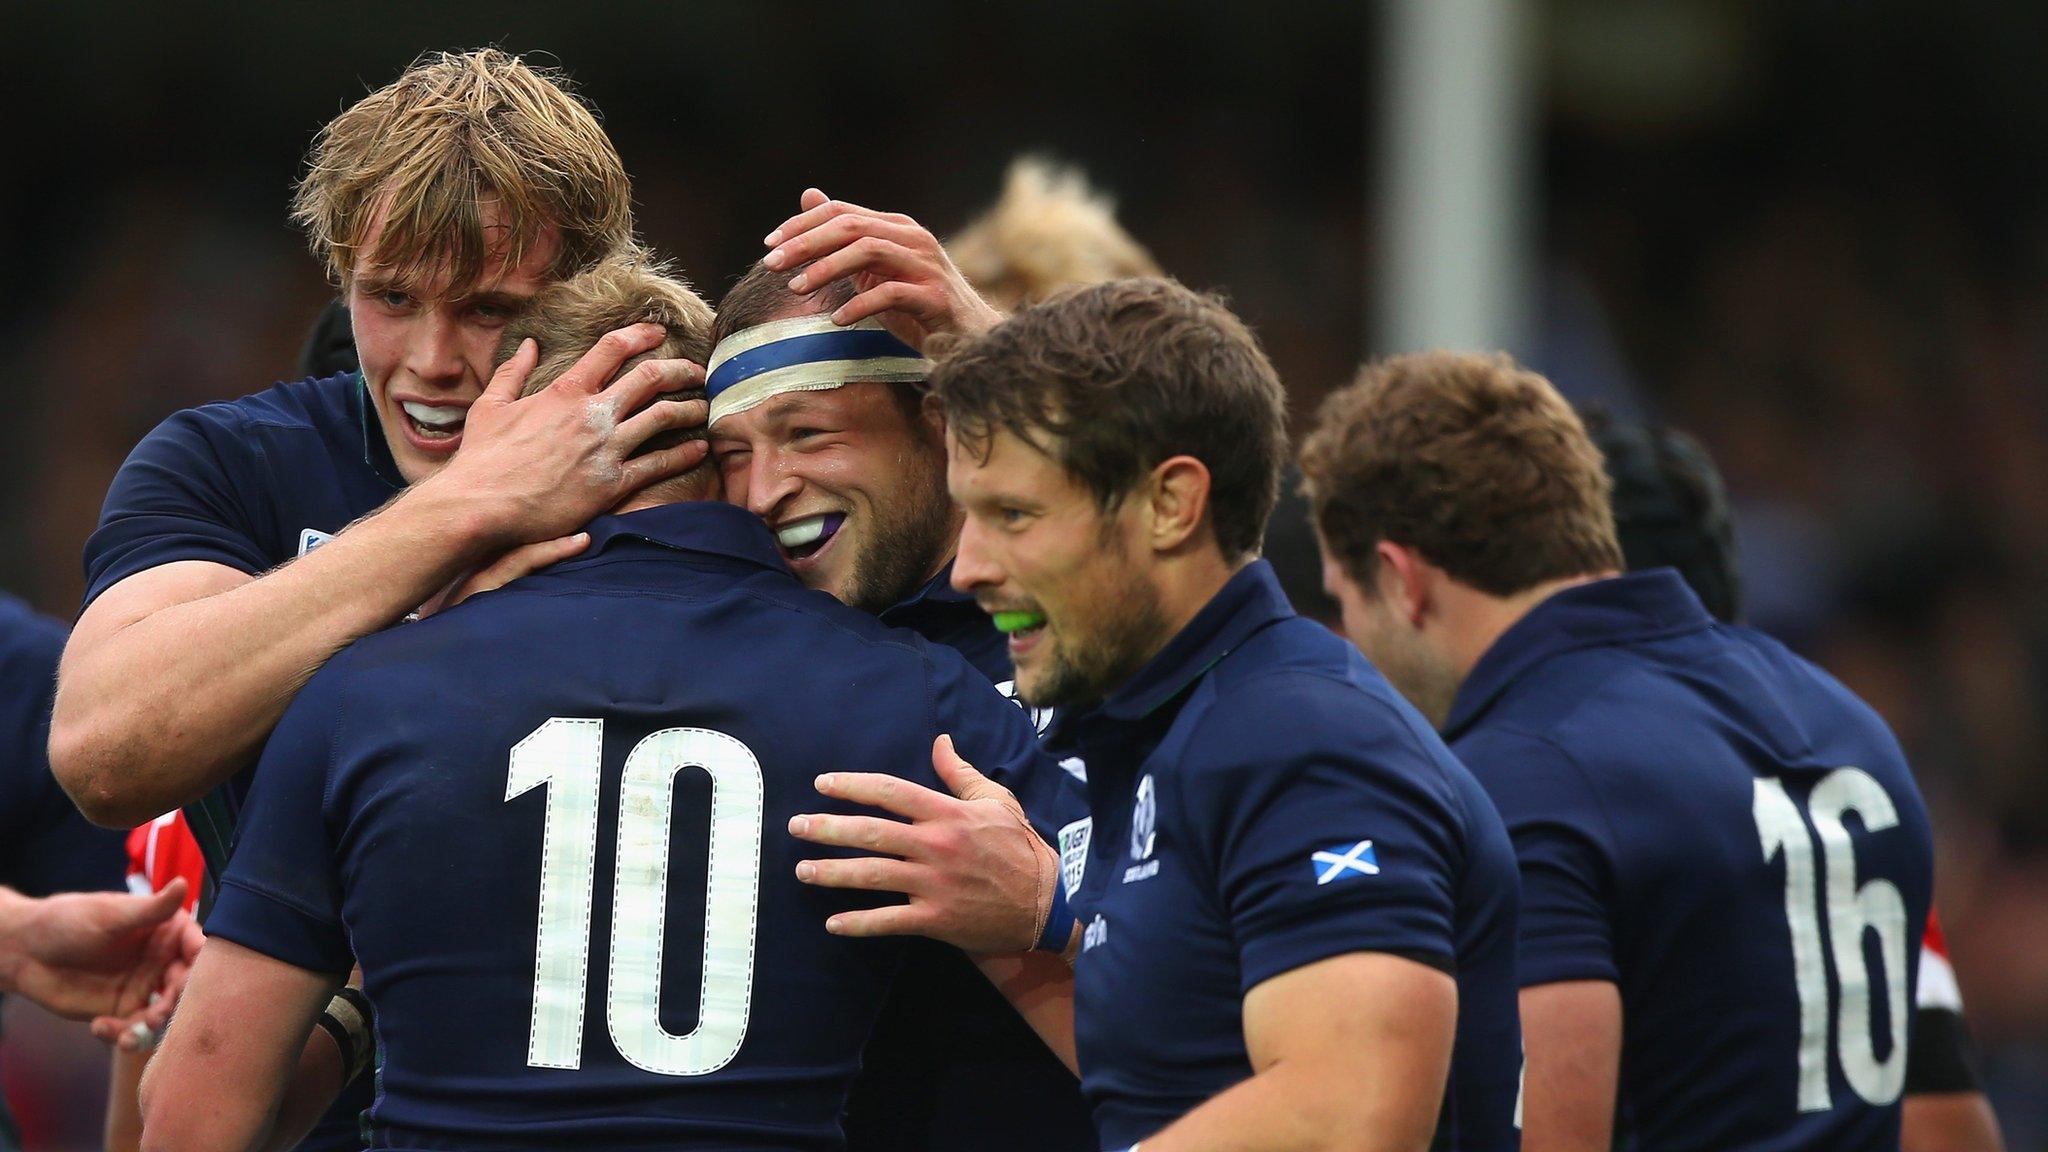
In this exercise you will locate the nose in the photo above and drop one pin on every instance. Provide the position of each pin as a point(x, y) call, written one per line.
point(974, 565)
point(434, 350)
point(768, 484)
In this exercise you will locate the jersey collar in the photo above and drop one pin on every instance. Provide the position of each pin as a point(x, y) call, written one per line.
point(376, 449)
point(937, 593)
point(1639, 606)
point(710, 526)
point(1250, 601)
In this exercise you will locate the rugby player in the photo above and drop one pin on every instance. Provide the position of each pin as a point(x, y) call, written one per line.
point(671, 695)
point(1725, 861)
point(1298, 910)
point(1048, 231)
point(1671, 510)
point(64, 943)
point(243, 543)
point(849, 470)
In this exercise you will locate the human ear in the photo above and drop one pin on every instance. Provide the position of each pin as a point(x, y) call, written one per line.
point(1177, 498)
point(1403, 579)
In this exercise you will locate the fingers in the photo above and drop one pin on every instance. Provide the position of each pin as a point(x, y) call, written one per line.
point(664, 464)
point(848, 244)
point(818, 210)
point(870, 874)
point(523, 561)
point(509, 381)
point(589, 375)
point(148, 911)
point(890, 793)
point(894, 920)
point(661, 416)
point(867, 833)
point(649, 379)
point(956, 773)
point(888, 296)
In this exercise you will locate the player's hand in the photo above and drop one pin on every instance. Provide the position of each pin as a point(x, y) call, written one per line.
point(139, 1031)
point(977, 874)
point(540, 467)
point(100, 954)
point(902, 272)
point(522, 561)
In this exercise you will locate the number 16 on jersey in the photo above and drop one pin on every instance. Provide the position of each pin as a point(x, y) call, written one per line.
point(1836, 940)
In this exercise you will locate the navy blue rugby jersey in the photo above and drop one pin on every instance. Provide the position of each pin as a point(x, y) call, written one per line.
point(552, 823)
point(46, 847)
point(1263, 800)
point(950, 1064)
point(1728, 835)
point(249, 483)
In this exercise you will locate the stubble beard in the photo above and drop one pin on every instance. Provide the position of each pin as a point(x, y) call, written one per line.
point(905, 542)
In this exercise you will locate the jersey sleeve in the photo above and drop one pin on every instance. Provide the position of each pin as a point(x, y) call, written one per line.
point(996, 735)
point(46, 847)
point(281, 892)
point(177, 497)
point(1335, 832)
point(1564, 848)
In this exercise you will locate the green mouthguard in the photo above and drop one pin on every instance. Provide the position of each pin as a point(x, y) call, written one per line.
point(1008, 622)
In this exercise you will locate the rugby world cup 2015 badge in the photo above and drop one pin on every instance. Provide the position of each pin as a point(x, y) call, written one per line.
point(1074, 853)
point(1144, 832)
point(311, 538)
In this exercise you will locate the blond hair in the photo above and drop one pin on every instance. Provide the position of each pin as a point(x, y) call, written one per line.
point(630, 287)
point(1049, 231)
point(458, 142)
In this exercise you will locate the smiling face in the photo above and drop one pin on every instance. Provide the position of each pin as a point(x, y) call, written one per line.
point(853, 486)
point(429, 348)
point(1037, 543)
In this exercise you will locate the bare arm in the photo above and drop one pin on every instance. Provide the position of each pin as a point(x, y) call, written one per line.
point(1571, 1035)
point(314, 1085)
point(1040, 986)
point(174, 676)
point(1950, 1122)
point(238, 1037)
point(1349, 1053)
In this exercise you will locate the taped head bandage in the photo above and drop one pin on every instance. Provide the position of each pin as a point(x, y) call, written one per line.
point(804, 354)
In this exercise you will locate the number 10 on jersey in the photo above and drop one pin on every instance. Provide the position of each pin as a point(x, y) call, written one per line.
point(1876, 906)
point(566, 755)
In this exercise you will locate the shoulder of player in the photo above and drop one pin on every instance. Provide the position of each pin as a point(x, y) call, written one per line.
point(318, 407)
point(1273, 721)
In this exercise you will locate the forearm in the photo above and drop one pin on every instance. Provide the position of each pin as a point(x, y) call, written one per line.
point(153, 712)
point(1040, 986)
point(1291, 1108)
point(124, 1112)
point(315, 1083)
point(14, 912)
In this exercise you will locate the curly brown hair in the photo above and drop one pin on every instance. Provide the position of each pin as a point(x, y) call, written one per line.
point(1115, 378)
point(457, 132)
point(1472, 460)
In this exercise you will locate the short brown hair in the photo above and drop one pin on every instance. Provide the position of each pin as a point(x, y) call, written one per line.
point(1050, 231)
point(429, 150)
point(1120, 376)
point(1474, 461)
point(633, 287)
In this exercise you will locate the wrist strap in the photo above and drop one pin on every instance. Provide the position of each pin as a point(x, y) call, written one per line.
point(351, 1021)
point(1059, 922)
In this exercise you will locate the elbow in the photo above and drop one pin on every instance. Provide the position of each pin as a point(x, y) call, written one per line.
point(85, 769)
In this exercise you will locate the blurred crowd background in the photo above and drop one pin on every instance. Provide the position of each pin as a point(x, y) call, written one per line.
point(1813, 232)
